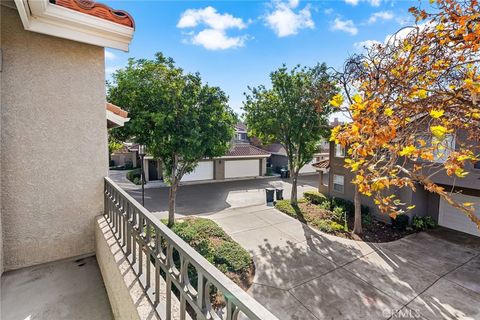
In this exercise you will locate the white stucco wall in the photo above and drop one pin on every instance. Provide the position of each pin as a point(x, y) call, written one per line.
point(54, 144)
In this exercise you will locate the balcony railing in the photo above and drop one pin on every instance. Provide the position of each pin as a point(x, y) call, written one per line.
point(161, 258)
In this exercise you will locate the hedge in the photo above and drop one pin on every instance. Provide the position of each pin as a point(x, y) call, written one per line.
point(348, 206)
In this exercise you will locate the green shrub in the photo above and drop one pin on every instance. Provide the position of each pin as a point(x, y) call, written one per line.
point(286, 207)
point(326, 225)
point(400, 222)
point(314, 197)
point(325, 205)
point(423, 223)
point(338, 213)
point(367, 220)
point(128, 166)
point(230, 257)
point(209, 239)
point(348, 206)
point(135, 173)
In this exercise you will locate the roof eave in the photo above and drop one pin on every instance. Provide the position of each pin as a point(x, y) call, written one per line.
point(44, 17)
point(119, 121)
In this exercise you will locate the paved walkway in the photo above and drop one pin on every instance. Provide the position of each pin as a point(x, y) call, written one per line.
point(303, 274)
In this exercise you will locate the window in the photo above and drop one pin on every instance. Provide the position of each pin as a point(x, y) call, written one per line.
point(477, 165)
point(444, 149)
point(339, 151)
point(338, 183)
point(242, 136)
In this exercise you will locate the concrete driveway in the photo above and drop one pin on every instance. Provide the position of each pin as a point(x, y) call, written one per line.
point(208, 198)
point(304, 274)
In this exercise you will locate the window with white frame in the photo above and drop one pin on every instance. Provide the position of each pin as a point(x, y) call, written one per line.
point(338, 183)
point(339, 151)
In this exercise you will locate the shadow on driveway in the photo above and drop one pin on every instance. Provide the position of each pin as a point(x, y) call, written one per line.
point(217, 196)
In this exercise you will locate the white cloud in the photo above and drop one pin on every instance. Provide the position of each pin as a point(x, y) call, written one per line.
point(110, 55)
point(373, 3)
point(214, 36)
point(352, 2)
point(211, 18)
point(284, 21)
point(365, 44)
point(345, 25)
point(213, 39)
point(328, 11)
point(293, 3)
point(381, 15)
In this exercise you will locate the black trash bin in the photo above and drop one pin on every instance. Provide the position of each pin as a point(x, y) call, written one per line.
point(270, 194)
point(283, 173)
point(279, 193)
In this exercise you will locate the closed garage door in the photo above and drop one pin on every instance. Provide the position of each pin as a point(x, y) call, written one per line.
point(453, 218)
point(242, 168)
point(203, 171)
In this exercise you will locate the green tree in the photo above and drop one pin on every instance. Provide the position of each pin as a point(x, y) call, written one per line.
point(179, 119)
point(294, 113)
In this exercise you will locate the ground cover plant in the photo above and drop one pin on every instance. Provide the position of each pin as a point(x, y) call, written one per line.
point(215, 245)
point(336, 216)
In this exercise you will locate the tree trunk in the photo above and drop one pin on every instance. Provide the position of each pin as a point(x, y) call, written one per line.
point(294, 180)
point(357, 227)
point(172, 197)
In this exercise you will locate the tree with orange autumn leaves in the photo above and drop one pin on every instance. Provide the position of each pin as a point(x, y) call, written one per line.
point(414, 102)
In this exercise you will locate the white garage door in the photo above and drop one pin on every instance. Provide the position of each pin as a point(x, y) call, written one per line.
point(203, 171)
point(453, 218)
point(242, 168)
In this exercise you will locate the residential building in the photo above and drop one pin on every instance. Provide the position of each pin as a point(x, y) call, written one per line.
point(279, 159)
point(59, 213)
point(243, 160)
point(338, 184)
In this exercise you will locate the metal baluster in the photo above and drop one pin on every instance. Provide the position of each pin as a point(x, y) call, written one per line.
point(157, 266)
point(134, 236)
point(201, 293)
point(140, 243)
point(148, 251)
point(183, 289)
point(129, 230)
point(168, 279)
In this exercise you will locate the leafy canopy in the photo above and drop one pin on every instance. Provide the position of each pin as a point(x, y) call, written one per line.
point(294, 112)
point(415, 106)
point(178, 118)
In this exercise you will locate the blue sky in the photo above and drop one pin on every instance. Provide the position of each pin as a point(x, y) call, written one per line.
point(235, 44)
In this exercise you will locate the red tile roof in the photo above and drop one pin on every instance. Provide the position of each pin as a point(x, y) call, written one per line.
point(98, 10)
point(117, 110)
point(322, 164)
point(244, 149)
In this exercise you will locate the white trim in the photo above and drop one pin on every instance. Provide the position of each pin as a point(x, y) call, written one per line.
point(115, 118)
point(44, 17)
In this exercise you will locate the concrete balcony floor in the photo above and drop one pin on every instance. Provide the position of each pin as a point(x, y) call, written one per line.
point(69, 289)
